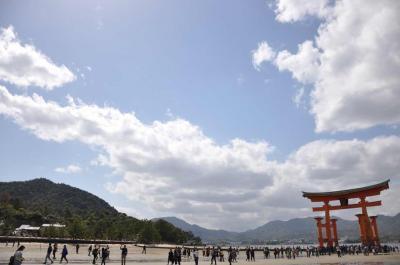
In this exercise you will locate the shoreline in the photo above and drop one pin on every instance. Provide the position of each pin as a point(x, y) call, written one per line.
point(35, 254)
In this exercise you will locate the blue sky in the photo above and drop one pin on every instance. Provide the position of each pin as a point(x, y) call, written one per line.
point(193, 61)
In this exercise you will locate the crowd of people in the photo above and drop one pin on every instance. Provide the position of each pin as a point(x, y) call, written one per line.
point(312, 251)
point(212, 254)
point(52, 250)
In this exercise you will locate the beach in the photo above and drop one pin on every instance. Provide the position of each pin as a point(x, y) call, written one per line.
point(36, 252)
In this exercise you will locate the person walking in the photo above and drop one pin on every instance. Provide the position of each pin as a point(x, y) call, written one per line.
point(214, 254)
point(144, 249)
point(95, 253)
point(17, 259)
point(49, 250)
point(170, 257)
point(90, 250)
point(230, 256)
point(177, 256)
point(104, 256)
point(252, 255)
point(55, 249)
point(64, 254)
point(196, 256)
point(77, 248)
point(338, 251)
point(124, 253)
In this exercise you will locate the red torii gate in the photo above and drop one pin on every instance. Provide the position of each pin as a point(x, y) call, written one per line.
point(368, 226)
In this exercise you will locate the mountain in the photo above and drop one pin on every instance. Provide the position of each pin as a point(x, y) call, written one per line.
point(207, 235)
point(56, 199)
point(300, 229)
point(85, 215)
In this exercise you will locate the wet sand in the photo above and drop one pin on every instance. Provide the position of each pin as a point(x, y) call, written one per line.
point(36, 252)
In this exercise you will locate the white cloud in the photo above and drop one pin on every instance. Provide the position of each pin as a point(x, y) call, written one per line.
point(359, 82)
point(303, 65)
point(296, 10)
point(172, 167)
point(353, 65)
point(263, 53)
point(70, 169)
point(23, 65)
point(298, 98)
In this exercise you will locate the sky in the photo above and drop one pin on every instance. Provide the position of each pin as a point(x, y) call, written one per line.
point(217, 112)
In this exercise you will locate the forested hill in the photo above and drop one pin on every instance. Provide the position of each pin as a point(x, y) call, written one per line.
point(85, 215)
point(51, 198)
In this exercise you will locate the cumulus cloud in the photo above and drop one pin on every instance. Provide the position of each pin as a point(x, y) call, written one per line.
point(303, 65)
point(352, 64)
point(23, 65)
point(297, 10)
point(70, 169)
point(173, 167)
point(263, 53)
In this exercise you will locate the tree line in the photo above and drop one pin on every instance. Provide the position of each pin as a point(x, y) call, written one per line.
point(91, 225)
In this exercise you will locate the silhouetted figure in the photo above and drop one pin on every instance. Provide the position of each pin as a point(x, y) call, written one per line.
point(95, 253)
point(214, 254)
point(252, 255)
point(55, 249)
point(49, 250)
point(170, 257)
point(124, 253)
point(64, 254)
point(104, 255)
point(196, 256)
point(77, 248)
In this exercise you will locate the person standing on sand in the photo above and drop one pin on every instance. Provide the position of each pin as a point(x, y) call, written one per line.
point(214, 254)
point(338, 251)
point(177, 256)
point(18, 258)
point(124, 253)
point(49, 250)
point(170, 257)
point(144, 249)
point(230, 255)
point(64, 254)
point(252, 255)
point(55, 248)
point(95, 252)
point(196, 256)
point(104, 255)
point(108, 252)
point(90, 250)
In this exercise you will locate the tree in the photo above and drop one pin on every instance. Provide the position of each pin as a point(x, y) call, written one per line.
point(149, 233)
point(76, 228)
point(5, 198)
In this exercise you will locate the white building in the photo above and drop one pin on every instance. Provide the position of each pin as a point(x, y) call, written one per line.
point(53, 225)
point(27, 230)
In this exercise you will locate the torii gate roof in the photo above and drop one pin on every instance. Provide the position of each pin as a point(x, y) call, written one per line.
point(371, 190)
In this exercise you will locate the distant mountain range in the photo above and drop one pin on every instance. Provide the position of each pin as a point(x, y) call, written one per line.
point(299, 229)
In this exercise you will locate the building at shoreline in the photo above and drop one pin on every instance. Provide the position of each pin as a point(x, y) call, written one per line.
point(28, 230)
